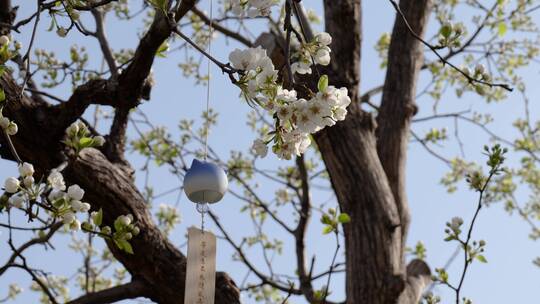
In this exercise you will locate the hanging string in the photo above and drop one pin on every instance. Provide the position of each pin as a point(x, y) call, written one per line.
point(207, 124)
point(202, 208)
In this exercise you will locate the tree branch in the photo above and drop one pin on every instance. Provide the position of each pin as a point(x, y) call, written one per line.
point(131, 290)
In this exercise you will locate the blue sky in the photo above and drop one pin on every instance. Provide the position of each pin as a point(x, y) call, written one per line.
point(509, 277)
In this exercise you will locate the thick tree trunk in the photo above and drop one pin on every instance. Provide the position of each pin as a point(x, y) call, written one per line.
point(368, 171)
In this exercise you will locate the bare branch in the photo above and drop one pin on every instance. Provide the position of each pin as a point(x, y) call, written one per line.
point(131, 290)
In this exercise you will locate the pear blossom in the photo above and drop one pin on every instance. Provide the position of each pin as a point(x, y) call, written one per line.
point(4, 122)
point(99, 141)
point(68, 217)
point(62, 32)
point(56, 180)
point(85, 207)
point(75, 225)
point(324, 38)
point(125, 220)
point(301, 67)
point(75, 192)
point(259, 148)
point(55, 194)
point(17, 200)
point(28, 181)
point(248, 59)
point(4, 40)
point(11, 185)
point(322, 56)
point(76, 205)
point(12, 129)
point(26, 169)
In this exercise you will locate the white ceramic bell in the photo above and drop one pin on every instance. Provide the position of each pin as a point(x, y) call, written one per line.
point(205, 182)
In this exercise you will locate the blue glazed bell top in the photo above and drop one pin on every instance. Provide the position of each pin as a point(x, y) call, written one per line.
point(205, 182)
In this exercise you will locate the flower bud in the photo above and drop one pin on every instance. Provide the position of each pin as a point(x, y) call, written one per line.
point(28, 181)
point(12, 129)
point(4, 122)
point(26, 169)
point(17, 201)
point(62, 32)
point(99, 141)
point(11, 185)
point(136, 231)
point(4, 40)
point(106, 230)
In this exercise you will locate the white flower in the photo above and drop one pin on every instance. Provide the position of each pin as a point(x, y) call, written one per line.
point(56, 180)
point(28, 181)
point(322, 56)
point(26, 169)
point(62, 32)
point(12, 129)
point(75, 225)
point(55, 194)
point(339, 114)
point(259, 148)
point(480, 69)
point(248, 59)
point(75, 192)
point(11, 185)
point(125, 220)
point(456, 222)
point(99, 141)
point(301, 67)
point(85, 207)
point(324, 38)
point(4, 40)
point(68, 218)
point(73, 129)
point(284, 113)
point(76, 205)
point(4, 122)
point(286, 95)
point(17, 201)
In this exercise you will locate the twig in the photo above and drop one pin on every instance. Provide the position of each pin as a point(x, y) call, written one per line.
point(441, 58)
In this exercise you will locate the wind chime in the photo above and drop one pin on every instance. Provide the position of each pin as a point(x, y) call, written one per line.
point(204, 183)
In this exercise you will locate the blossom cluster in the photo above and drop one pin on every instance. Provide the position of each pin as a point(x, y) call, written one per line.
point(65, 203)
point(317, 50)
point(79, 137)
point(295, 118)
point(8, 126)
point(251, 8)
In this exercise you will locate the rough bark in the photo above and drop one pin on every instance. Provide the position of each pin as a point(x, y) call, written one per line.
point(367, 171)
point(405, 57)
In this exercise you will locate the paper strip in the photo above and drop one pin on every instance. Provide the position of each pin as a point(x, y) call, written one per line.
point(201, 267)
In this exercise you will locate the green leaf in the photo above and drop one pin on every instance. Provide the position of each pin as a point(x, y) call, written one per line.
point(85, 142)
point(502, 28)
point(344, 218)
point(98, 219)
point(2, 95)
point(323, 83)
point(446, 30)
point(127, 247)
point(481, 258)
point(325, 219)
point(327, 229)
point(162, 50)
